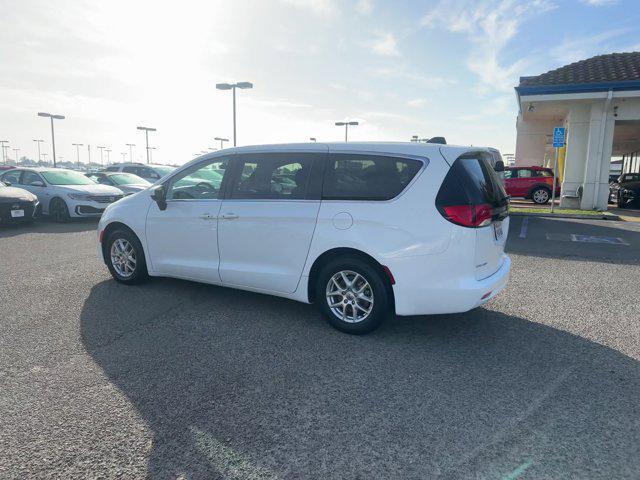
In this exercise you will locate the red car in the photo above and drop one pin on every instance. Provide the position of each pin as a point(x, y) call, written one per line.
point(535, 183)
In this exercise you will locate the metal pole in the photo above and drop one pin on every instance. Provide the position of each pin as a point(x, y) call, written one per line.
point(555, 179)
point(346, 132)
point(146, 134)
point(89, 155)
point(234, 115)
point(38, 142)
point(53, 143)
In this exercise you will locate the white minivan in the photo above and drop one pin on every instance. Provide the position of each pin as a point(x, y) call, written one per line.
point(363, 230)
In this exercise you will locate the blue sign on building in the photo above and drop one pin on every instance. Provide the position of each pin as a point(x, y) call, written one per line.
point(558, 137)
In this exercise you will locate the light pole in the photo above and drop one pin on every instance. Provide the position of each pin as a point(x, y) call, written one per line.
point(78, 145)
point(38, 141)
point(233, 86)
point(312, 139)
point(146, 135)
point(151, 149)
point(101, 148)
point(221, 140)
point(2, 144)
point(44, 157)
point(108, 150)
point(89, 155)
point(15, 151)
point(124, 154)
point(131, 145)
point(53, 140)
point(346, 128)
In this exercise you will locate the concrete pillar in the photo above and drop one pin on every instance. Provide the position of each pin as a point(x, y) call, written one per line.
point(530, 141)
point(577, 124)
point(598, 158)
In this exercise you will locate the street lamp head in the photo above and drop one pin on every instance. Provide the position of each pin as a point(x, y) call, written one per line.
point(340, 124)
point(147, 128)
point(313, 139)
point(244, 85)
point(353, 123)
point(221, 139)
point(43, 114)
point(224, 86)
point(58, 117)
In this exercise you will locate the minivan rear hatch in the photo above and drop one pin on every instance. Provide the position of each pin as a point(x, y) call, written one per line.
point(472, 196)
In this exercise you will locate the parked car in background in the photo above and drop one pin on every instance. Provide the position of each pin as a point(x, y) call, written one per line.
point(6, 167)
point(627, 191)
point(535, 183)
point(625, 180)
point(17, 205)
point(127, 182)
point(361, 229)
point(64, 193)
point(150, 172)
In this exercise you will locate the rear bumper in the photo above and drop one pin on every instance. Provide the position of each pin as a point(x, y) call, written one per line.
point(434, 292)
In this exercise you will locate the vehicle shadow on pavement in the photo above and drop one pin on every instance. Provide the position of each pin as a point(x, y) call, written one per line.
point(45, 225)
point(240, 385)
point(552, 238)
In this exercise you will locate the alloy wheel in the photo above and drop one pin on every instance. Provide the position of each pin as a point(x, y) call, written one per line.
point(541, 196)
point(349, 296)
point(123, 257)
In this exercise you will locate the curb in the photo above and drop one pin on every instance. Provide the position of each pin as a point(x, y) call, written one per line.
point(567, 215)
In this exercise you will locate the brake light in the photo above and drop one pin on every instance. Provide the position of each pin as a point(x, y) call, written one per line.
point(469, 215)
point(101, 237)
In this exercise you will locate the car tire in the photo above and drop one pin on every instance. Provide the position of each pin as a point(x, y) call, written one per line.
point(59, 211)
point(342, 290)
point(541, 195)
point(125, 258)
point(621, 202)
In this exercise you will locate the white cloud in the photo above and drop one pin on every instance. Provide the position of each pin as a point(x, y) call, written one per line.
point(600, 3)
point(417, 102)
point(383, 43)
point(489, 26)
point(365, 7)
point(319, 7)
point(579, 48)
point(431, 82)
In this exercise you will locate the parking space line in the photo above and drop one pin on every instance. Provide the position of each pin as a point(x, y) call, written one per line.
point(523, 227)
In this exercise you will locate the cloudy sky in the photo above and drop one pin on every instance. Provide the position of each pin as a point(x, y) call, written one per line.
point(400, 67)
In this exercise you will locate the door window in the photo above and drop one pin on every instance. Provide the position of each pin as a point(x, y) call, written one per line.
point(524, 173)
point(12, 177)
point(29, 177)
point(367, 177)
point(508, 174)
point(134, 170)
point(200, 182)
point(276, 176)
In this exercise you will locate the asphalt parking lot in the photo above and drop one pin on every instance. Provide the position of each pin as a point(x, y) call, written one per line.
point(173, 379)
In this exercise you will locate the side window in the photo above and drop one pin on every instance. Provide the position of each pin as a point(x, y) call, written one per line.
point(12, 177)
point(277, 176)
point(134, 170)
point(103, 179)
point(543, 173)
point(200, 182)
point(367, 177)
point(111, 169)
point(147, 172)
point(524, 173)
point(28, 177)
point(508, 174)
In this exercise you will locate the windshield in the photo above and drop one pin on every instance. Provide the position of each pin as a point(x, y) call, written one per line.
point(66, 177)
point(128, 179)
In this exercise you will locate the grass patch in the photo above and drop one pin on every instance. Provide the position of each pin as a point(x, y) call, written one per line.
point(560, 211)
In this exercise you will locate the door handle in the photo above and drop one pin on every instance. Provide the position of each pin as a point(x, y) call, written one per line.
point(229, 216)
point(207, 216)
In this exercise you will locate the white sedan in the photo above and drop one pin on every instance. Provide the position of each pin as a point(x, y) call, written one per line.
point(62, 193)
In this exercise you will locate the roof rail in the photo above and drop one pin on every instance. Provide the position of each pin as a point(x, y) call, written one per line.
point(441, 140)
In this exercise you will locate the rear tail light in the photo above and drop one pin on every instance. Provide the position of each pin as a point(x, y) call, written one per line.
point(468, 215)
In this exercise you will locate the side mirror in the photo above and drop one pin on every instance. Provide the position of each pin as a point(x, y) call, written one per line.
point(7, 183)
point(37, 183)
point(499, 166)
point(158, 195)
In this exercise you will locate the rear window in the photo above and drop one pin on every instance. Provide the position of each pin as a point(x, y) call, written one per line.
point(472, 178)
point(367, 177)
